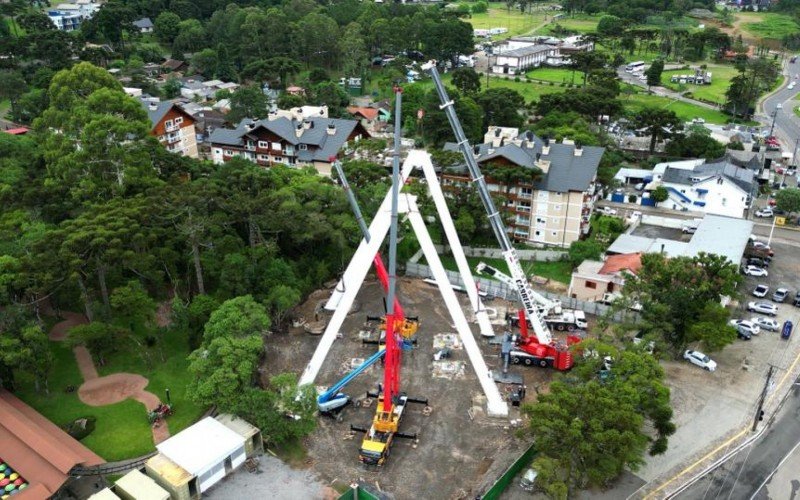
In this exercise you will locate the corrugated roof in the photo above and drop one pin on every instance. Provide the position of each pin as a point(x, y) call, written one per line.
point(37, 448)
point(168, 470)
point(526, 51)
point(141, 487)
point(237, 425)
point(720, 235)
point(201, 446)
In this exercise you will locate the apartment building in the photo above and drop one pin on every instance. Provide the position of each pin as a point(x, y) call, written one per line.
point(291, 138)
point(173, 126)
point(553, 208)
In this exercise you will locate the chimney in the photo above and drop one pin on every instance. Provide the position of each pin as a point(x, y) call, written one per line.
point(567, 141)
point(298, 130)
point(272, 115)
point(490, 151)
point(544, 165)
point(578, 149)
point(307, 124)
point(546, 146)
point(153, 106)
point(529, 139)
point(331, 129)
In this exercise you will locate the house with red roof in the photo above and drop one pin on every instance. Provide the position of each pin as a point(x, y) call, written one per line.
point(592, 279)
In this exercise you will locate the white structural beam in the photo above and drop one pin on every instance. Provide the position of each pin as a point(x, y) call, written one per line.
point(356, 272)
point(495, 405)
point(347, 279)
point(455, 246)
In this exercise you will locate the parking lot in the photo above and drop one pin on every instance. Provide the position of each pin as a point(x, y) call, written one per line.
point(710, 407)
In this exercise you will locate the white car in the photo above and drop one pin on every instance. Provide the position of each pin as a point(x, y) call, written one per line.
point(607, 211)
point(745, 326)
point(763, 308)
point(766, 323)
point(791, 85)
point(755, 271)
point(761, 291)
point(700, 359)
point(764, 212)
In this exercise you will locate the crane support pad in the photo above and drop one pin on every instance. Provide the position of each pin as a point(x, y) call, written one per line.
point(507, 378)
point(405, 436)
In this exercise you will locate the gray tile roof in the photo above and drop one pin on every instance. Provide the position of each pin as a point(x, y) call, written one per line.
point(567, 172)
point(742, 177)
point(322, 144)
point(161, 109)
point(143, 23)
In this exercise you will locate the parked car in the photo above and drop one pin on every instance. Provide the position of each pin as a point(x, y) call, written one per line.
point(763, 308)
point(786, 331)
point(780, 295)
point(766, 323)
point(763, 247)
point(755, 271)
point(758, 262)
point(607, 211)
point(700, 359)
point(796, 301)
point(764, 212)
point(761, 291)
point(791, 85)
point(744, 326)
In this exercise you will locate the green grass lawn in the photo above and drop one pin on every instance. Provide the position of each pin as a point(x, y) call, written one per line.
point(768, 24)
point(499, 16)
point(557, 75)
point(684, 110)
point(580, 23)
point(122, 430)
point(721, 75)
point(560, 271)
point(529, 90)
point(5, 105)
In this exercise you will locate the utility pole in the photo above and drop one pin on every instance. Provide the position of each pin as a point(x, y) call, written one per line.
point(760, 407)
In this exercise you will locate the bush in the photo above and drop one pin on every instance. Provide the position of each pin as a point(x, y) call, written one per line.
point(632, 198)
point(552, 84)
point(81, 427)
point(516, 79)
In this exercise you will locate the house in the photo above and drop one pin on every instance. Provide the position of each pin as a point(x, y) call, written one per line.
point(592, 279)
point(173, 126)
point(553, 209)
point(40, 454)
point(195, 459)
point(65, 20)
point(287, 137)
point(719, 187)
point(174, 66)
point(144, 25)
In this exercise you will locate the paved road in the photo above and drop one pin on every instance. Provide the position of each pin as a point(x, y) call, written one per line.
point(787, 124)
point(768, 468)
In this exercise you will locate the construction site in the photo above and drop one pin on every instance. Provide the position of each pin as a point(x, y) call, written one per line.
point(411, 396)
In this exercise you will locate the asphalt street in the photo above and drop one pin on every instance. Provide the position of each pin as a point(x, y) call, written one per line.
point(787, 123)
point(766, 469)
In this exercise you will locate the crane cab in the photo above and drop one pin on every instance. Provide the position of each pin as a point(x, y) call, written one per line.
point(380, 436)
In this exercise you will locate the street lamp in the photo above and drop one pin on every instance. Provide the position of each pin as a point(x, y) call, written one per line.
point(774, 117)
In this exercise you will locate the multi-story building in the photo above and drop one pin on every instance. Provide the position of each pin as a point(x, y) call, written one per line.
point(69, 16)
point(289, 138)
point(554, 208)
point(173, 126)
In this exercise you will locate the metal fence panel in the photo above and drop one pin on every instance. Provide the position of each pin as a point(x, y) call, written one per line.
point(503, 481)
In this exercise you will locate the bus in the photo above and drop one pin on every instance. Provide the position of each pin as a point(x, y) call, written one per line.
point(634, 66)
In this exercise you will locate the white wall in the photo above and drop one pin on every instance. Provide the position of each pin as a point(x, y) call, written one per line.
point(723, 198)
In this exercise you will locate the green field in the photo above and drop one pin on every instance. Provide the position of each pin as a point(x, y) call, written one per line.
point(580, 23)
point(684, 110)
point(499, 16)
point(767, 24)
point(122, 430)
point(558, 75)
point(560, 271)
point(529, 90)
point(721, 76)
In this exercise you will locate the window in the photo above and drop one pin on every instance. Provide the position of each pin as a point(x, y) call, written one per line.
point(263, 144)
point(591, 284)
point(558, 208)
point(168, 123)
point(178, 120)
point(228, 152)
point(276, 146)
point(527, 191)
point(554, 233)
point(279, 159)
point(302, 147)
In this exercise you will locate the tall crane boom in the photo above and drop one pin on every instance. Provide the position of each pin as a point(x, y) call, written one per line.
point(524, 290)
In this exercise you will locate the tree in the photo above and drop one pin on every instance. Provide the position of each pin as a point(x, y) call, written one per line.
point(167, 26)
point(659, 124)
point(696, 144)
point(100, 338)
point(223, 369)
point(172, 88)
point(788, 200)
point(659, 194)
point(676, 293)
point(353, 51)
point(584, 250)
point(237, 317)
point(329, 94)
point(467, 81)
point(611, 26)
point(28, 349)
point(248, 102)
point(205, 62)
point(132, 306)
point(585, 62)
point(593, 432)
point(501, 107)
point(194, 316)
point(654, 73)
point(12, 86)
point(712, 328)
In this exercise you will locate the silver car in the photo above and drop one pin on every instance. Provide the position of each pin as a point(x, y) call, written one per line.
point(763, 308)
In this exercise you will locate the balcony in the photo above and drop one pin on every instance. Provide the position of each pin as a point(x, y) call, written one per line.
point(172, 128)
point(522, 221)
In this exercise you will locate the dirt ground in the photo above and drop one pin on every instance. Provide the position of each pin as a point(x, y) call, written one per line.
point(459, 449)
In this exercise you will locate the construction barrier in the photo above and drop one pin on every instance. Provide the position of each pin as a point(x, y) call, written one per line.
point(358, 493)
point(508, 476)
